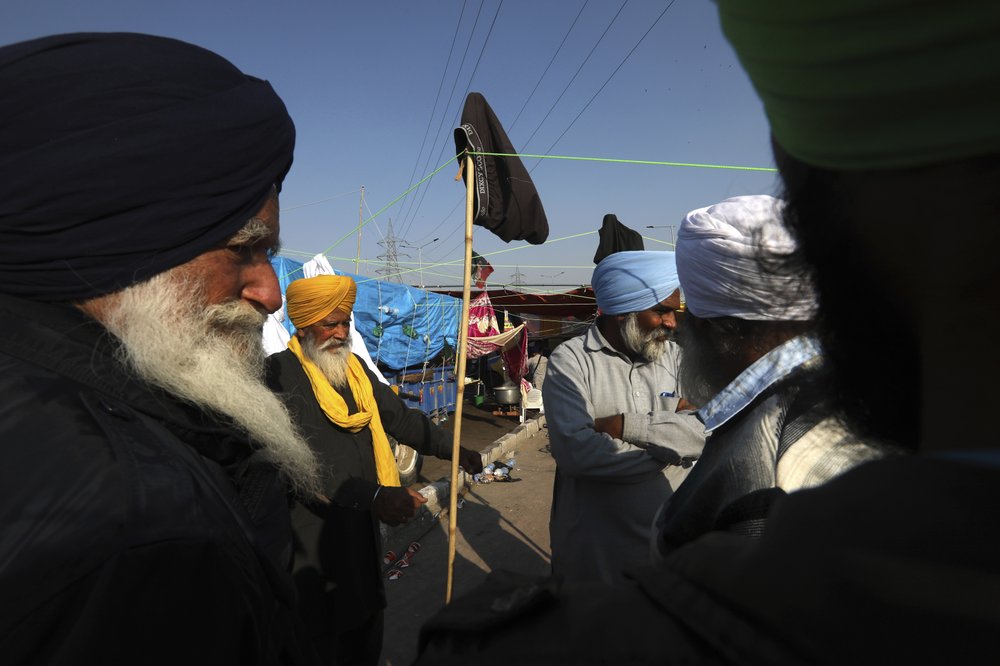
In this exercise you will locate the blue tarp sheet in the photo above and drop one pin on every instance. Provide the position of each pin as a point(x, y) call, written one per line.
point(401, 325)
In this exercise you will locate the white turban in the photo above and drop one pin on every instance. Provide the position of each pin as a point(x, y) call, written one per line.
point(731, 262)
point(633, 281)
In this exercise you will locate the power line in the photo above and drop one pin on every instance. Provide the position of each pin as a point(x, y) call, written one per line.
point(437, 98)
point(315, 203)
point(458, 115)
point(451, 95)
point(624, 60)
point(575, 74)
point(537, 83)
point(518, 277)
point(445, 218)
point(391, 256)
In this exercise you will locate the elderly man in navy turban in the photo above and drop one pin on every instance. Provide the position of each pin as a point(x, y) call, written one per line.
point(145, 464)
point(611, 397)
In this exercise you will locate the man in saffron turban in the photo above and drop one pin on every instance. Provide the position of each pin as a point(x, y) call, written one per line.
point(346, 414)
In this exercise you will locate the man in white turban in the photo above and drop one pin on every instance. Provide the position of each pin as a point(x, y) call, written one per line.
point(611, 400)
point(756, 371)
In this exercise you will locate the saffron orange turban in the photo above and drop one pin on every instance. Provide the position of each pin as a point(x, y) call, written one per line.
point(312, 299)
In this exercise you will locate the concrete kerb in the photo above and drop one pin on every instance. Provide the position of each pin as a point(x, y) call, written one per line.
point(438, 494)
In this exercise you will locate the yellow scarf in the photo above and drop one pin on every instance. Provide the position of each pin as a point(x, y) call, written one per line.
point(336, 409)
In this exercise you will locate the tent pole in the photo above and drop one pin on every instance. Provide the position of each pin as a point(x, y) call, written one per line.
point(463, 339)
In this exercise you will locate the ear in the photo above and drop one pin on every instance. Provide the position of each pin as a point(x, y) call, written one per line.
point(300, 334)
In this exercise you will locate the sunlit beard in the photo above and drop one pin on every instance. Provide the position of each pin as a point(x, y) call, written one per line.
point(211, 357)
point(330, 357)
point(649, 346)
point(701, 358)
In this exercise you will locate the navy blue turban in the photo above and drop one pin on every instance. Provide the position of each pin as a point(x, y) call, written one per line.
point(124, 155)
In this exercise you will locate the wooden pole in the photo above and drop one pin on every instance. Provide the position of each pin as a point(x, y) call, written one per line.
point(463, 339)
point(361, 220)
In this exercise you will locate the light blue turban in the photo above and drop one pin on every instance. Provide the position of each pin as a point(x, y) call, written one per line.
point(636, 280)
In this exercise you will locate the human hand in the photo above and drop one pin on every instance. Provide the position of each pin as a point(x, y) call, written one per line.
point(469, 460)
point(394, 505)
point(610, 425)
point(684, 405)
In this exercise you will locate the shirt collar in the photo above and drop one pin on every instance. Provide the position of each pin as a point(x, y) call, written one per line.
point(766, 371)
point(594, 341)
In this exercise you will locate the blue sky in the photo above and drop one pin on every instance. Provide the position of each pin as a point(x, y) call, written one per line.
point(375, 98)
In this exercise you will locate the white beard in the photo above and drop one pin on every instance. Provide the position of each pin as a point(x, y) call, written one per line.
point(330, 357)
point(649, 346)
point(211, 357)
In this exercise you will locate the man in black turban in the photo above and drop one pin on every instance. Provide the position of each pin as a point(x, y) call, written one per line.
point(144, 466)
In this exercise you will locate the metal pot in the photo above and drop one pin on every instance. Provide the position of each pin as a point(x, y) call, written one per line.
point(507, 395)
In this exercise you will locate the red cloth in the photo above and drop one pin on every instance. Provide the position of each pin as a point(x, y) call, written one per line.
point(481, 270)
point(483, 338)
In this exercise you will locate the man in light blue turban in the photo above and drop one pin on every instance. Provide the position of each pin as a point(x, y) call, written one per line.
point(611, 399)
point(636, 280)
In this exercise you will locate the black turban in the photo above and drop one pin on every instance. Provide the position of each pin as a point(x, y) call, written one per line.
point(124, 155)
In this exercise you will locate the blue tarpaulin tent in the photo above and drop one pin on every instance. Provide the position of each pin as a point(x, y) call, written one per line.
point(402, 326)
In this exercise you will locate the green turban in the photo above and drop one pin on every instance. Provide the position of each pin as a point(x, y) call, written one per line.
point(873, 84)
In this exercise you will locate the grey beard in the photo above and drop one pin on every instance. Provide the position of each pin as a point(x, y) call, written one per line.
point(330, 357)
point(212, 357)
point(699, 377)
point(646, 345)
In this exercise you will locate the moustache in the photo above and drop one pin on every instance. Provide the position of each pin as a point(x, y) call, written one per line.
point(663, 335)
point(238, 315)
point(333, 344)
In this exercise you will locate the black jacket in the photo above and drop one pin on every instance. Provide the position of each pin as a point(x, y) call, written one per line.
point(896, 561)
point(125, 537)
point(338, 565)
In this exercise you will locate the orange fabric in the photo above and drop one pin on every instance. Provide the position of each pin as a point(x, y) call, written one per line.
point(311, 299)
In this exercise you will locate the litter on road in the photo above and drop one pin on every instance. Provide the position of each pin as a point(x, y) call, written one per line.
point(497, 471)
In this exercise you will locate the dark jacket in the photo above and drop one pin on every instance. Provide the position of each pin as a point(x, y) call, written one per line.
point(125, 537)
point(895, 561)
point(338, 563)
point(740, 473)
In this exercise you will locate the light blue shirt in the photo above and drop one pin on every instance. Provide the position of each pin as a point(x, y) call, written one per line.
point(766, 371)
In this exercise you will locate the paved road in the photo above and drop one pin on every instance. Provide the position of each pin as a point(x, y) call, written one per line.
point(501, 526)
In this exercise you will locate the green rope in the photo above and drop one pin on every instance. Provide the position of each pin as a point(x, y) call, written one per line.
point(548, 157)
point(383, 208)
point(620, 161)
